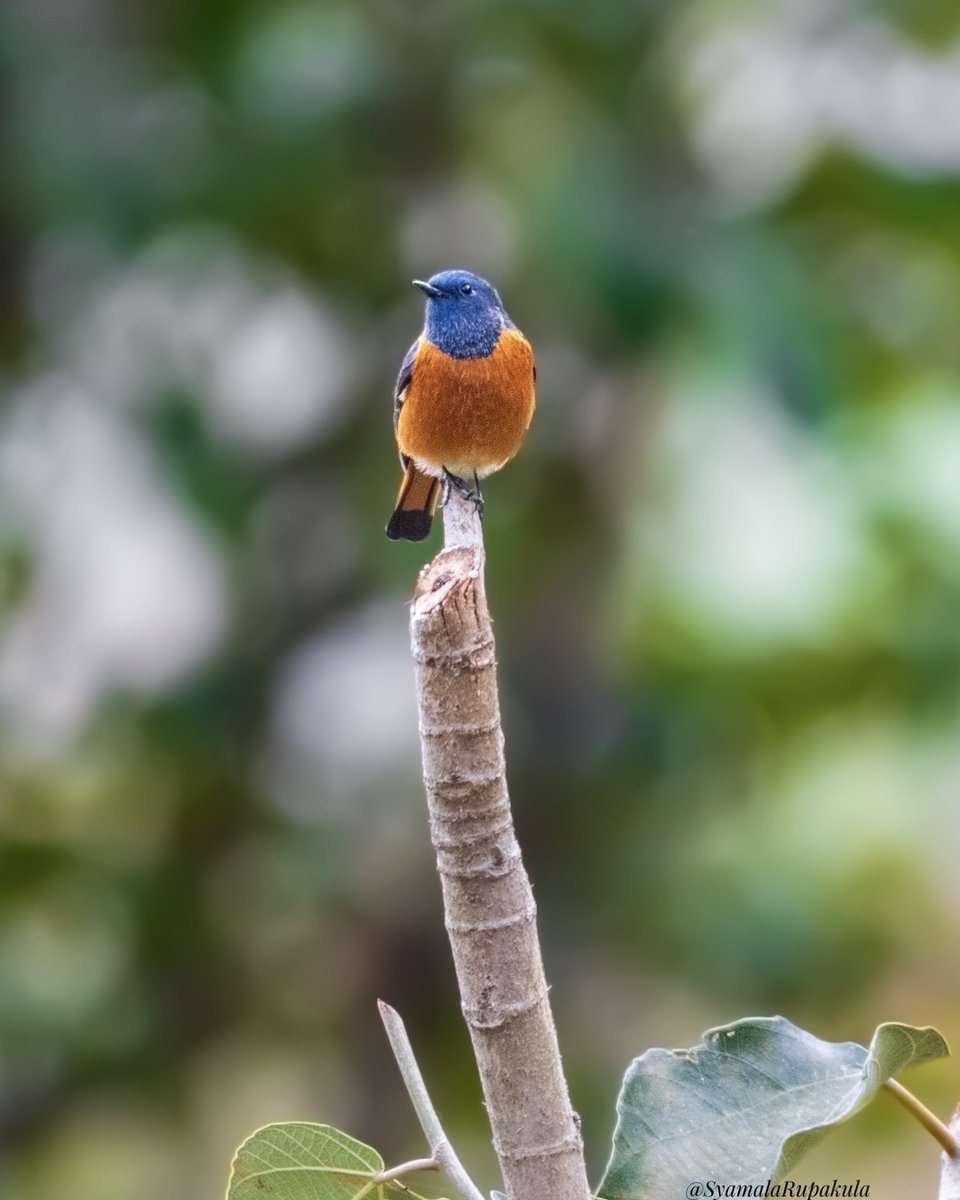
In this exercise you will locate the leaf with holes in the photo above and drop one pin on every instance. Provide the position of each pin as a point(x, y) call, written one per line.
point(301, 1161)
point(746, 1104)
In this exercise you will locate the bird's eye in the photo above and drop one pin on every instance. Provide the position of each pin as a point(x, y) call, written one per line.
point(466, 289)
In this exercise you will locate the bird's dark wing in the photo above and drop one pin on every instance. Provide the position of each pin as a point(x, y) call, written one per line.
point(403, 382)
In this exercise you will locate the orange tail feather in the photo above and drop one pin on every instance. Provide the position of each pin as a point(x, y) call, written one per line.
point(416, 504)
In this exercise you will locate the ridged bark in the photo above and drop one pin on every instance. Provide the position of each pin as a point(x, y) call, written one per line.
point(488, 903)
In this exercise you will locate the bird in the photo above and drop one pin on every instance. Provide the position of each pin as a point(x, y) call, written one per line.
point(463, 401)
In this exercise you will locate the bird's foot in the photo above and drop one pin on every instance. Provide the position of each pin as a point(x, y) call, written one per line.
point(454, 483)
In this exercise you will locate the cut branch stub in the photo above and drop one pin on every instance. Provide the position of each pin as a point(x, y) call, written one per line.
point(488, 902)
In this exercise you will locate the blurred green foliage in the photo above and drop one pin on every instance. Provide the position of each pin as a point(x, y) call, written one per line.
point(724, 569)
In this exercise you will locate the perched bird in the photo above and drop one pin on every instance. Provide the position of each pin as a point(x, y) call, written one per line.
point(463, 400)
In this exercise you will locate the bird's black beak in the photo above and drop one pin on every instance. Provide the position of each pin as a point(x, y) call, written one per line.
point(428, 289)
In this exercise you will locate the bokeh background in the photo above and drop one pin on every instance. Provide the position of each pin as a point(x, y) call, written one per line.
point(725, 571)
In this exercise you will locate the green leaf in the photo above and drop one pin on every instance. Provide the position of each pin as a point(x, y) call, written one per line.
point(302, 1161)
point(746, 1104)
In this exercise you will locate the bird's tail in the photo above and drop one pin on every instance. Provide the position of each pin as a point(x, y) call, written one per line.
point(416, 504)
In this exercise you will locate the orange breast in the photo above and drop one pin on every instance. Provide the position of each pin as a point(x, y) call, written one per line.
point(468, 414)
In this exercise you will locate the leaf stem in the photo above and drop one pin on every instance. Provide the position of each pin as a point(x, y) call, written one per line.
point(441, 1150)
point(416, 1164)
point(931, 1123)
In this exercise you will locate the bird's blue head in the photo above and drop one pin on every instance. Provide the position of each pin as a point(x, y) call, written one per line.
point(464, 314)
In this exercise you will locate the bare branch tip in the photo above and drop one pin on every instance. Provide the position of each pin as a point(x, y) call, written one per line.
point(451, 568)
point(389, 1015)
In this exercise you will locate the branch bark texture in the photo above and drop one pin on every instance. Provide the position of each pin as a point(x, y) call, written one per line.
point(488, 903)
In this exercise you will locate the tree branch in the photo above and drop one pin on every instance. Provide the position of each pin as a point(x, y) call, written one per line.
point(488, 903)
point(442, 1152)
point(950, 1166)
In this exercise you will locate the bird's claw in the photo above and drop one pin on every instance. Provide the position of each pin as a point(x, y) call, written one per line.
point(454, 483)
